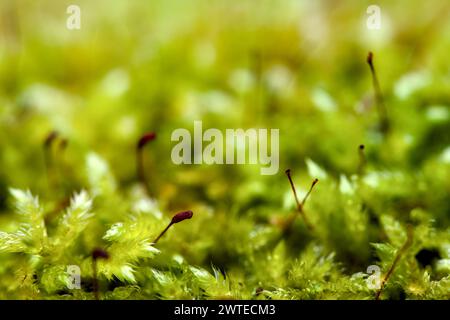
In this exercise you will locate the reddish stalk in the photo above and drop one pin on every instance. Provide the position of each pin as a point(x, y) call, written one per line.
point(48, 158)
point(97, 254)
point(300, 205)
point(140, 170)
point(63, 171)
point(176, 218)
point(381, 107)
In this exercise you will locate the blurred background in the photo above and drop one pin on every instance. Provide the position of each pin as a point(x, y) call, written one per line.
point(299, 66)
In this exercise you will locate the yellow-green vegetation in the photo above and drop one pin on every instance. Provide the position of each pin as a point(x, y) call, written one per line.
point(79, 188)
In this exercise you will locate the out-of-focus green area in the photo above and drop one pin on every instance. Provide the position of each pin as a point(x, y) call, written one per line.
point(299, 66)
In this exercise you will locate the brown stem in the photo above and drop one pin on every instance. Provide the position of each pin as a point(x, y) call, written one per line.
point(362, 159)
point(162, 233)
point(381, 107)
point(397, 258)
point(48, 158)
point(97, 254)
point(309, 192)
point(140, 170)
point(176, 218)
point(63, 166)
point(300, 205)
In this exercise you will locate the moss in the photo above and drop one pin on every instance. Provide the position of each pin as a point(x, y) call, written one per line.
point(87, 179)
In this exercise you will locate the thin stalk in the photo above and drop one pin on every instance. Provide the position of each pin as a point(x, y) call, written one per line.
point(97, 254)
point(362, 159)
point(300, 205)
point(381, 107)
point(397, 258)
point(140, 169)
point(176, 218)
point(48, 158)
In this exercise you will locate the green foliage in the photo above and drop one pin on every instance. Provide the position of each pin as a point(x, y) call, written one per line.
point(158, 66)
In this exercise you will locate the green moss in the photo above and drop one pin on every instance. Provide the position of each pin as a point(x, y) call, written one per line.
point(137, 68)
